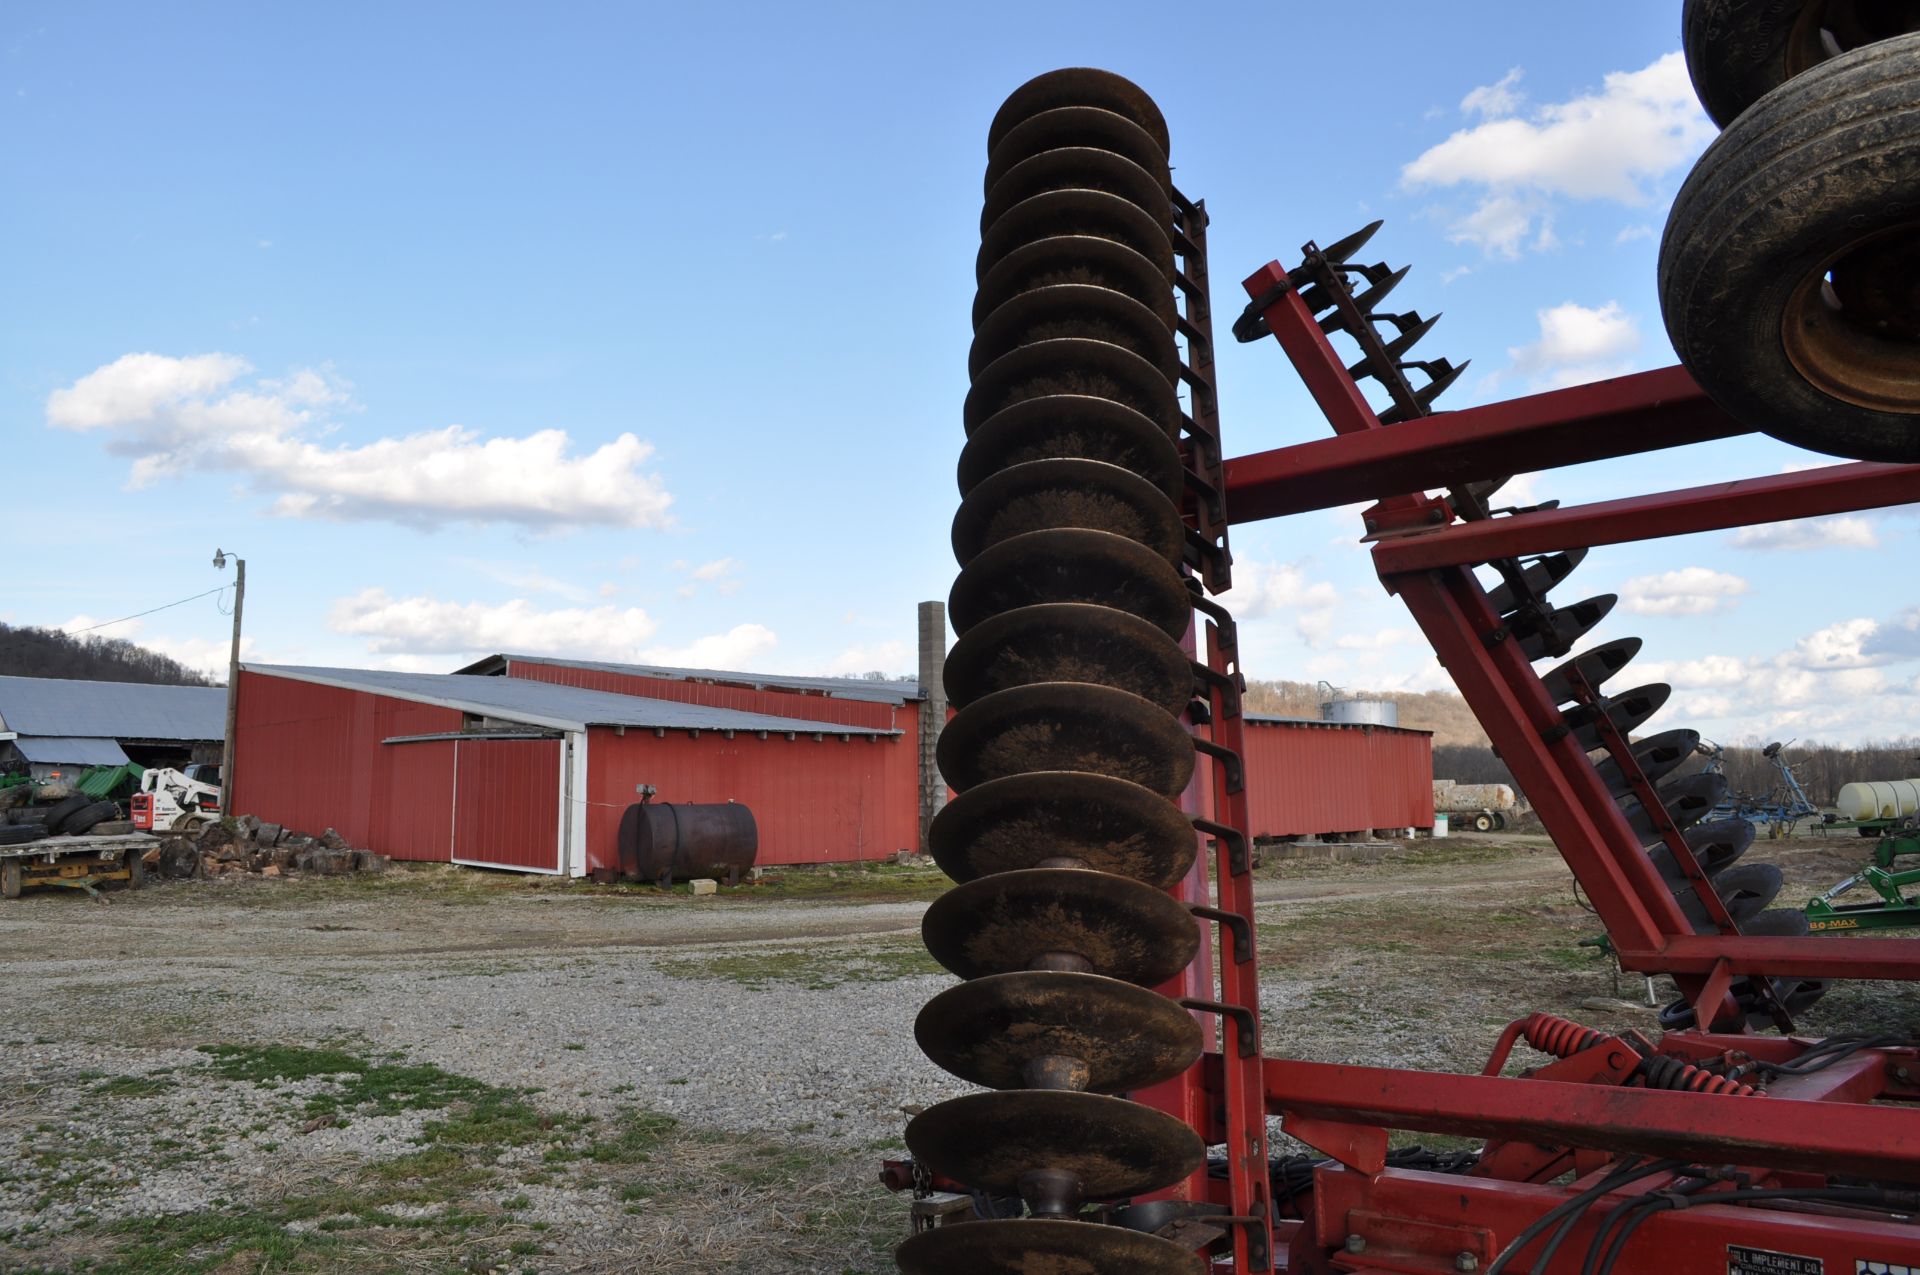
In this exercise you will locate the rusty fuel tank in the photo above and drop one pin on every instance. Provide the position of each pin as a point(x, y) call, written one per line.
point(665, 842)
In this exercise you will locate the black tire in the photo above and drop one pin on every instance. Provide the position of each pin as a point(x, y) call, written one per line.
point(86, 817)
point(1499, 822)
point(1740, 50)
point(18, 834)
point(12, 878)
point(60, 812)
point(136, 868)
point(1785, 257)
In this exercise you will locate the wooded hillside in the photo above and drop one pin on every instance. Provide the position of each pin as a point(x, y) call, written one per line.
point(33, 652)
point(1442, 712)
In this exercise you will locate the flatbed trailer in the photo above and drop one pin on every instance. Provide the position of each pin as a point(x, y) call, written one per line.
point(76, 863)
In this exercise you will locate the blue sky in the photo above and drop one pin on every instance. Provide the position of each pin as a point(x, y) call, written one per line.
point(640, 331)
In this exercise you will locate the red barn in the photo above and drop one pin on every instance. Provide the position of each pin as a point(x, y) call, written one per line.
point(530, 774)
point(1308, 778)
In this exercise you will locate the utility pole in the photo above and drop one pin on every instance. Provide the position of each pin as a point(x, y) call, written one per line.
point(233, 679)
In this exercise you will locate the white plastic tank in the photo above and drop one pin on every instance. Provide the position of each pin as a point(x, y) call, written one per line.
point(1879, 799)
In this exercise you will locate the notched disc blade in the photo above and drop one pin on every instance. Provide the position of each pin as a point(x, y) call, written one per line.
point(1108, 824)
point(1540, 576)
point(1074, 311)
point(1071, 564)
point(1069, 642)
point(1078, 86)
point(1075, 259)
point(1044, 495)
point(989, 1030)
point(1009, 921)
point(1066, 726)
point(1688, 800)
point(1114, 1147)
point(1078, 168)
point(1627, 711)
point(1068, 427)
point(1716, 847)
point(1077, 214)
point(1073, 366)
point(1076, 126)
point(1561, 627)
point(1657, 755)
point(1599, 664)
point(1042, 1246)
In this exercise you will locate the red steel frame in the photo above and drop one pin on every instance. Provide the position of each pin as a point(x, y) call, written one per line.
point(1373, 1218)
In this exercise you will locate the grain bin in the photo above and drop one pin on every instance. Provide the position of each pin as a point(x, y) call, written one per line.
point(1879, 799)
point(665, 842)
point(1337, 705)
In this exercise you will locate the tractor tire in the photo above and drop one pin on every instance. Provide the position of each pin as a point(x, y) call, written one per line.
point(136, 868)
point(85, 819)
point(60, 812)
point(1789, 261)
point(18, 834)
point(12, 875)
point(1738, 51)
point(1483, 823)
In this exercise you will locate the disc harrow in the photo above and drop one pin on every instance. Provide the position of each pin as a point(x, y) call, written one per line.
point(1714, 896)
point(1067, 749)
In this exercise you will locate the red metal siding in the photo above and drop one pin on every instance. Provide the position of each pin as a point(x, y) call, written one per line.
point(508, 803)
point(812, 708)
point(310, 757)
point(1308, 778)
point(831, 800)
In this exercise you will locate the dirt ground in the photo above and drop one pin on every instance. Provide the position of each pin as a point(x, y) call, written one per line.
point(445, 1070)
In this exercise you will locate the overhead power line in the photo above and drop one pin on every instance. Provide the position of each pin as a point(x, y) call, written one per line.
point(136, 615)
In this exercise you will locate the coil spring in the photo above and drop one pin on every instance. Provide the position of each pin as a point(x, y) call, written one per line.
point(1662, 1072)
point(1561, 1037)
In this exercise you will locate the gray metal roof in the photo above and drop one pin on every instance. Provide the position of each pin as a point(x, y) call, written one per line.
point(892, 691)
point(1276, 719)
point(64, 750)
point(518, 699)
point(111, 710)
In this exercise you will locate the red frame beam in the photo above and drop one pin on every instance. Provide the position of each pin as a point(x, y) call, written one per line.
point(1629, 414)
point(1833, 489)
point(1848, 1138)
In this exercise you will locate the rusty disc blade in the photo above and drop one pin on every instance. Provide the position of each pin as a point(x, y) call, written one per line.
point(1065, 126)
point(1073, 366)
point(1597, 665)
point(1074, 311)
point(1044, 495)
point(1066, 726)
point(1071, 564)
point(1078, 86)
point(1077, 213)
point(1114, 1147)
point(1628, 711)
point(1539, 577)
point(1108, 824)
point(1011, 921)
point(1657, 755)
point(1069, 642)
point(1745, 890)
point(1078, 168)
point(996, 1031)
point(1067, 427)
point(1084, 259)
point(1042, 1246)
point(1561, 627)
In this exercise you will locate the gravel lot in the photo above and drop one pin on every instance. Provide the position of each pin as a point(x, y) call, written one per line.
point(445, 1070)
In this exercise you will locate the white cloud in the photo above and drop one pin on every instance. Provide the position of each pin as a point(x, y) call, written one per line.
point(1611, 145)
point(874, 657)
point(1843, 645)
point(1631, 233)
point(1688, 591)
point(187, 415)
point(1897, 639)
point(421, 625)
point(1263, 589)
point(1496, 100)
point(740, 647)
point(1842, 531)
point(1577, 344)
point(1379, 640)
point(714, 570)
